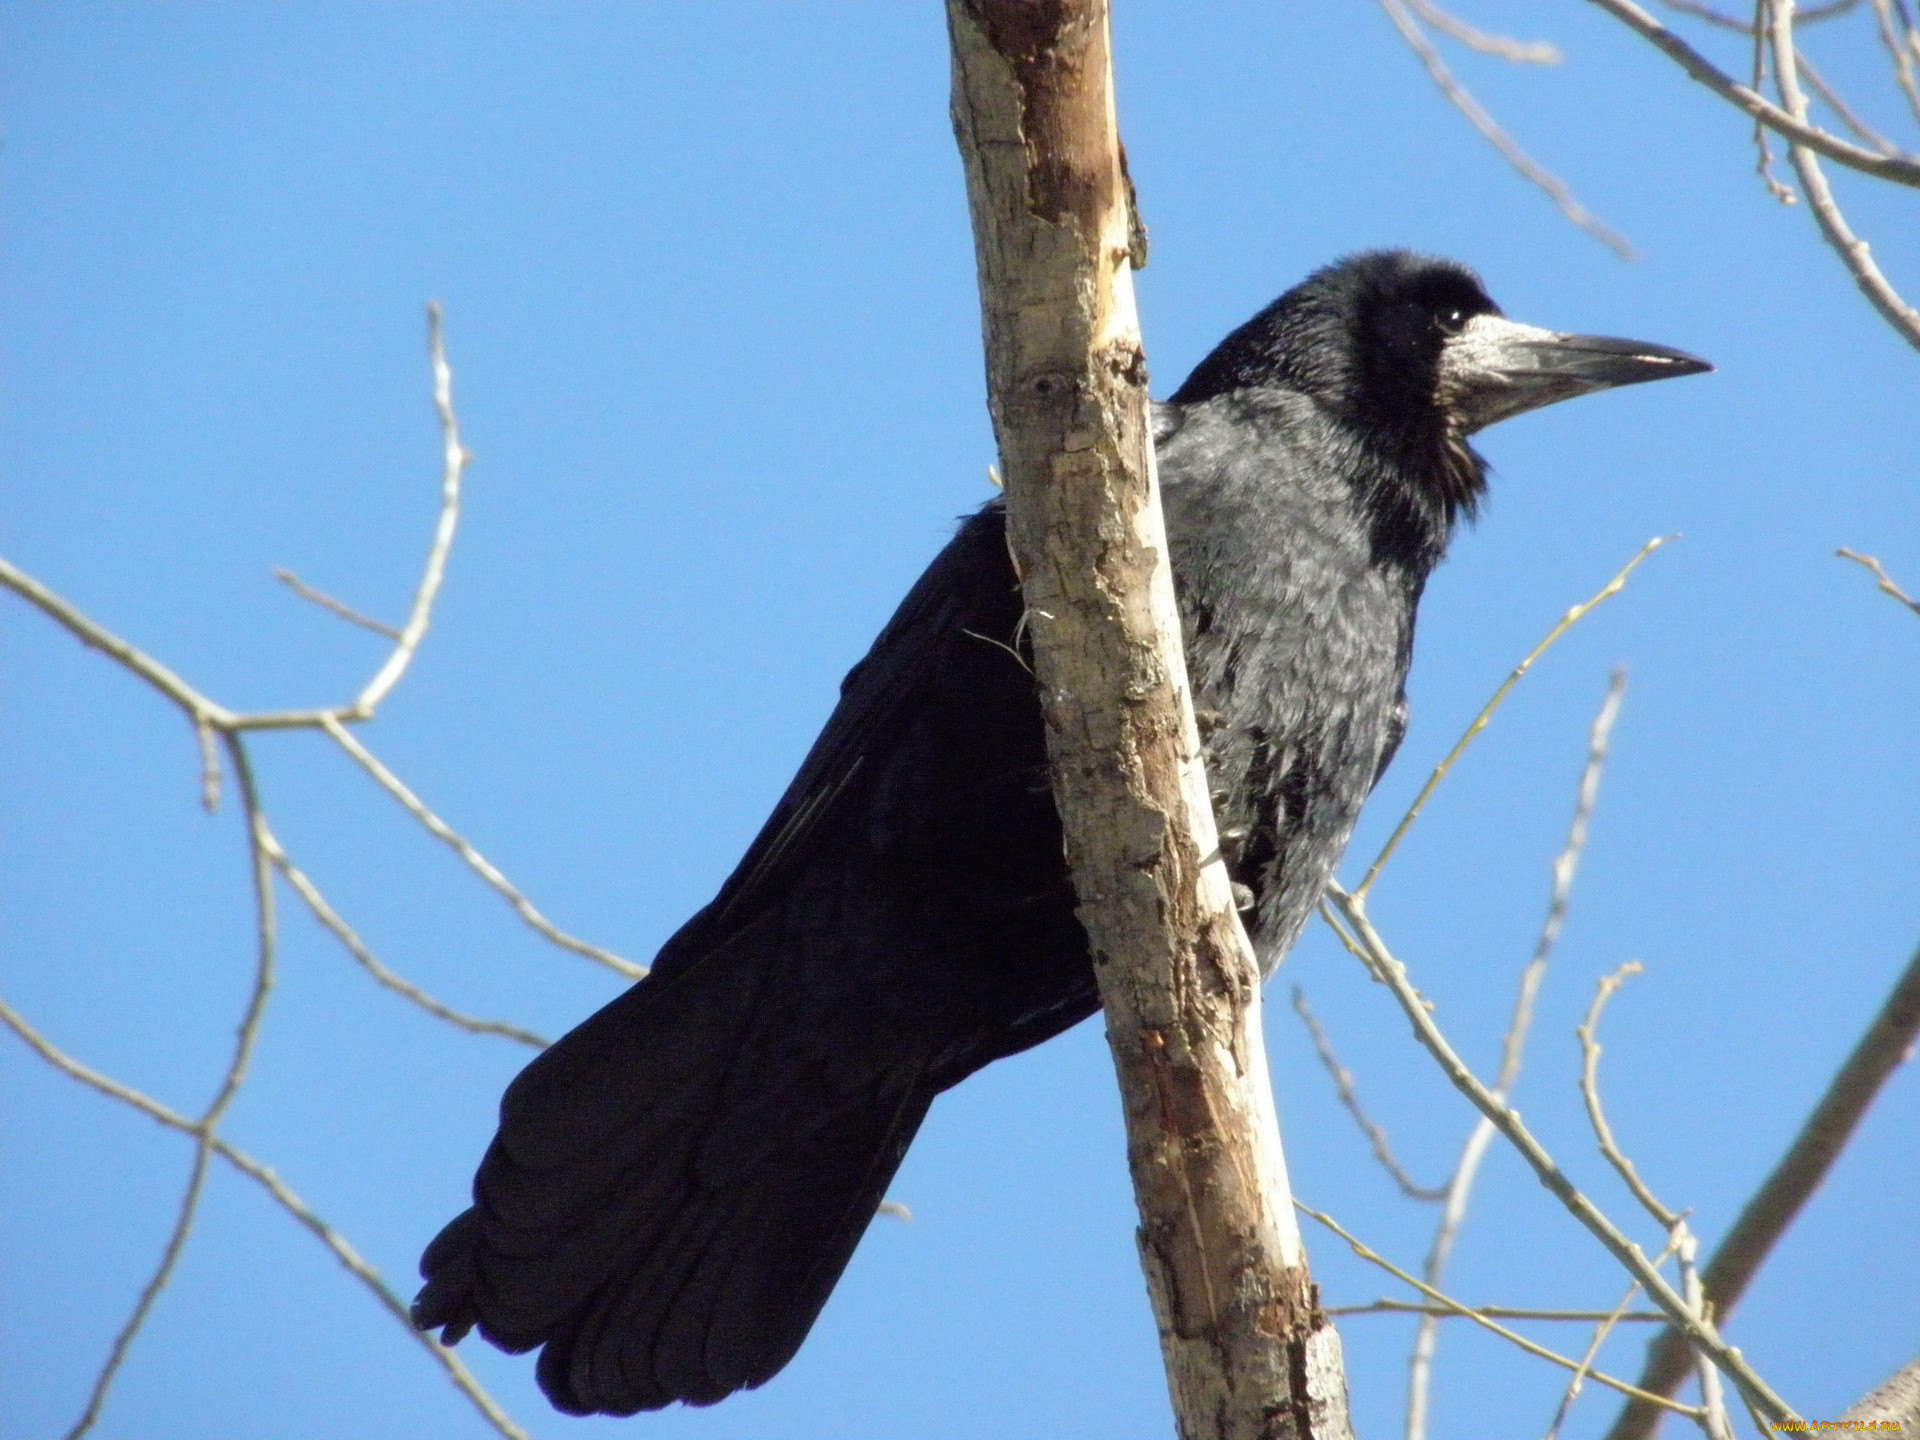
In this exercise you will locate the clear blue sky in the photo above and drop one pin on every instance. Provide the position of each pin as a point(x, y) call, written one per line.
point(710, 301)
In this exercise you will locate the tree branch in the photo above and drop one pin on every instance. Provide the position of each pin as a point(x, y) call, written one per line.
point(1248, 1352)
point(1885, 1046)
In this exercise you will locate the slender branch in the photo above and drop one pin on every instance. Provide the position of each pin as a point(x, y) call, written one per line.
point(1887, 587)
point(455, 463)
point(1498, 1312)
point(200, 710)
point(1852, 250)
point(149, 1293)
point(1478, 116)
point(479, 863)
point(1481, 1318)
point(1831, 97)
point(326, 602)
point(462, 1378)
point(346, 935)
point(1590, 1094)
point(1903, 68)
point(203, 1129)
point(1521, 52)
point(1566, 623)
point(1885, 167)
point(1466, 1171)
point(1350, 1098)
point(1390, 972)
point(1600, 1334)
point(1884, 1047)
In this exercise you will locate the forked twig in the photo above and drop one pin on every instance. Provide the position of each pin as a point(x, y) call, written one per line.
point(1467, 1169)
point(1852, 250)
point(1749, 101)
point(462, 1378)
point(1481, 1318)
point(479, 863)
point(1881, 1050)
point(1361, 936)
point(1482, 120)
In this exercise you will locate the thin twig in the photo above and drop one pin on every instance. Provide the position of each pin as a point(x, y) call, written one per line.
point(1600, 1334)
point(1590, 1093)
point(1887, 587)
point(1392, 973)
point(1809, 16)
point(1831, 97)
point(209, 765)
point(346, 935)
point(1903, 69)
point(326, 602)
point(1498, 1312)
point(1460, 1185)
point(462, 1378)
point(1481, 1318)
point(1482, 120)
point(1884, 1047)
point(479, 863)
point(1566, 623)
point(1763, 163)
point(1852, 250)
point(149, 1293)
point(1350, 1098)
point(1885, 167)
point(455, 459)
point(1520, 52)
point(203, 1130)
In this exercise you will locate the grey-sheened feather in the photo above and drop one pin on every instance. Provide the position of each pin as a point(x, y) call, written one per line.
point(678, 1183)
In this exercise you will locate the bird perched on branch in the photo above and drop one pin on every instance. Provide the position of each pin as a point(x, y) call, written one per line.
point(678, 1183)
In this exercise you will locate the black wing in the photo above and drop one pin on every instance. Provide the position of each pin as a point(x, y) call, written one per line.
point(677, 1184)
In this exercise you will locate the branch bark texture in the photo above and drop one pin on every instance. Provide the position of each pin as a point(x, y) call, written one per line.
point(1249, 1354)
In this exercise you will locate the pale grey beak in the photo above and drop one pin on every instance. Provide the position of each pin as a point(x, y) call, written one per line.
point(1496, 368)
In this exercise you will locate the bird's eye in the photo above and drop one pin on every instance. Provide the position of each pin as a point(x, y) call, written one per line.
point(1451, 322)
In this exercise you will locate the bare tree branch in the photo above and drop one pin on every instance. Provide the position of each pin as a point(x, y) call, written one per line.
point(1899, 52)
point(1885, 167)
point(479, 863)
point(1248, 1352)
point(1478, 116)
point(1384, 967)
point(343, 1252)
point(1498, 1312)
point(1852, 250)
point(335, 607)
point(1886, 1045)
point(1466, 1170)
point(1481, 1318)
point(1895, 1402)
point(1567, 622)
point(1520, 52)
point(1350, 1098)
point(1887, 587)
point(348, 937)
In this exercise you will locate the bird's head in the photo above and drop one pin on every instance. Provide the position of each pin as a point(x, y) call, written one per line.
point(1415, 356)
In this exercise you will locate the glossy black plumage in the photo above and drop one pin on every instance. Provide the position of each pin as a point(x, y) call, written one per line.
point(678, 1183)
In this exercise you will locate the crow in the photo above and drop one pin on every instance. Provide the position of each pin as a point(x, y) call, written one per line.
point(677, 1184)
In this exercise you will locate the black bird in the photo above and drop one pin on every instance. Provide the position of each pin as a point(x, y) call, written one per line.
point(678, 1183)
